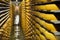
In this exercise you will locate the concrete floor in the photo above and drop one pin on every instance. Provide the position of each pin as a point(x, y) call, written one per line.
point(17, 34)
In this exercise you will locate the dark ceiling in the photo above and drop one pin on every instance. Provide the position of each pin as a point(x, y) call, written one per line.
point(18, 0)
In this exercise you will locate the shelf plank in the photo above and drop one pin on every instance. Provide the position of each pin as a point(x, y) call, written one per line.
point(57, 33)
point(2, 23)
point(48, 12)
point(53, 2)
point(4, 11)
point(7, 3)
point(56, 22)
point(57, 11)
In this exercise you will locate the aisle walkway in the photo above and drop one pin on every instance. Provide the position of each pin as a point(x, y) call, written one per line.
point(16, 33)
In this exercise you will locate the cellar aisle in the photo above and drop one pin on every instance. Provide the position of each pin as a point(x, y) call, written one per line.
point(16, 32)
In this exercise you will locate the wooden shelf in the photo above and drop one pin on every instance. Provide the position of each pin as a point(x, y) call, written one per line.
point(3, 22)
point(48, 12)
point(7, 3)
point(56, 13)
point(57, 33)
point(55, 22)
point(53, 2)
point(4, 11)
